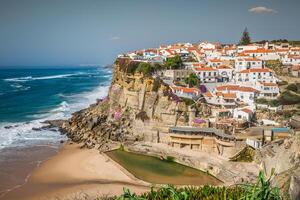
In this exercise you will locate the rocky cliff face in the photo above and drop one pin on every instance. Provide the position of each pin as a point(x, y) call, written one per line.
point(284, 157)
point(136, 108)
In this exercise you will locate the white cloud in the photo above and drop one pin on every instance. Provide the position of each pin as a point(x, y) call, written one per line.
point(262, 9)
point(115, 38)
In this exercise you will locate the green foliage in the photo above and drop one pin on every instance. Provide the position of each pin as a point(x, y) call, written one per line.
point(281, 83)
point(174, 62)
point(245, 40)
point(156, 84)
point(145, 68)
point(295, 87)
point(245, 155)
point(275, 65)
point(262, 190)
point(273, 102)
point(192, 80)
point(170, 159)
point(287, 98)
point(188, 102)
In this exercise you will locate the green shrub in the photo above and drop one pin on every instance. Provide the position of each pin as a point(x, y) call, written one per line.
point(188, 102)
point(145, 68)
point(192, 80)
point(174, 62)
point(287, 98)
point(282, 83)
point(262, 190)
point(156, 84)
point(170, 159)
point(293, 87)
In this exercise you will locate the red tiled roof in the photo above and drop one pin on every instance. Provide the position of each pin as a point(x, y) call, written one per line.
point(246, 110)
point(229, 95)
point(205, 69)
point(255, 70)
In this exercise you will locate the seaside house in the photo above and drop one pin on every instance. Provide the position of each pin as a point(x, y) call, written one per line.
point(206, 74)
point(185, 92)
point(248, 63)
point(267, 90)
point(255, 75)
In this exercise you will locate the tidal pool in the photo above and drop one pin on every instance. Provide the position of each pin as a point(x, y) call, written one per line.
point(157, 171)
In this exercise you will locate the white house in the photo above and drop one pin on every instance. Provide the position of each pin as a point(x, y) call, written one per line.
point(291, 60)
point(242, 48)
point(255, 75)
point(248, 63)
point(214, 62)
point(225, 73)
point(206, 74)
point(190, 93)
point(244, 94)
point(267, 90)
point(245, 113)
point(264, 54)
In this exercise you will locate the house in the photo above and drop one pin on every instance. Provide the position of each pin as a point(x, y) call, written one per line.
point(254, 75)
point(244, 94)
point(206, 74)
point(178, 74)
point(263, 54)
point(225, 73)
point(248, 63)
point(150, 53)
point(190, 93)
point(291, 60)
point(245, 114)
point(214, 62)
point(242, 48)
point(267, 90)
point(295, 70)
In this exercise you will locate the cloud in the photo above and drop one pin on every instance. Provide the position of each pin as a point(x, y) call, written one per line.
point(262, 9)
point(115, 38)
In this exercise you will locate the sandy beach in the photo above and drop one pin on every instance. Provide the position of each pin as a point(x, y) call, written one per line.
point(75, 172)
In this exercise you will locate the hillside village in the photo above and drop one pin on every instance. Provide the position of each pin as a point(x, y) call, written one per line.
point(238, 92)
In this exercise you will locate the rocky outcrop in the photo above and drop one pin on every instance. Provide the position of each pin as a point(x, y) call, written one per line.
point(284, 157)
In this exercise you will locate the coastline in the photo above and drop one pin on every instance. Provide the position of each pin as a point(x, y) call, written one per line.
point(74, 170)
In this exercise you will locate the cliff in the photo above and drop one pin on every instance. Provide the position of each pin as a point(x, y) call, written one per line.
point(137, 108)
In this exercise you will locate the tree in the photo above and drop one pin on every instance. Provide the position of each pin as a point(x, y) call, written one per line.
point(174, 62)
point(245, 40)
point(144, 68)
point(192, 80)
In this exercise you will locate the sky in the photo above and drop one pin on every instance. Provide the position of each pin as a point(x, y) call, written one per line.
point(73, 32)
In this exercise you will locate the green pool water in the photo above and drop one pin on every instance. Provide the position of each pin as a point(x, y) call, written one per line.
point(155, 170)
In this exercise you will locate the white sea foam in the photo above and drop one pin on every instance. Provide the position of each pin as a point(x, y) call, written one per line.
point(30, 78)
point(18, 134)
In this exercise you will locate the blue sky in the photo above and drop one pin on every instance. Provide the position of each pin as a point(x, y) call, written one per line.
point(72, 32)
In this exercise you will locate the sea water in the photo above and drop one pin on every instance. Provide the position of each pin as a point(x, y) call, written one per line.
point(31, 96)
point(28, 97)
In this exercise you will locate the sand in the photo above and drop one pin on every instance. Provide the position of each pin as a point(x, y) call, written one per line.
point(75, 172)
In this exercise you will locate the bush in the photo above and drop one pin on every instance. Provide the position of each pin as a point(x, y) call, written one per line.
point(187, 101)
point(287, 98)
point(262, 190)
point(192, 80)
point(281, 83)
point(170, 159)
point(292, 87)
point(145, 68)
point(156, 84)
point(174, 62)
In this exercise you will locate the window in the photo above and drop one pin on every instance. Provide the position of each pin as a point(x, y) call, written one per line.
point(209, 73)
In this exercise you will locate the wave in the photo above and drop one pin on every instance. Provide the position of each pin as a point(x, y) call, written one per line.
point(30, 78)
point(25, 133)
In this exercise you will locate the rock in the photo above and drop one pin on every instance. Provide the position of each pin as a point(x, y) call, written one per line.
point(294, 190)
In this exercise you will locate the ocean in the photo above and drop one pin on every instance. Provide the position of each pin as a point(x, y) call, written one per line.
point(29, 96)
